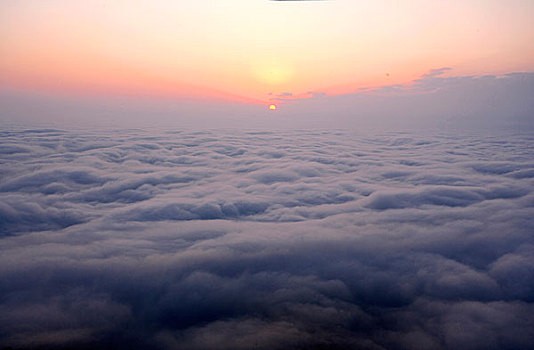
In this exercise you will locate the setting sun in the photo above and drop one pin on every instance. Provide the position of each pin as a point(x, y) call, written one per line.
point(272, 107)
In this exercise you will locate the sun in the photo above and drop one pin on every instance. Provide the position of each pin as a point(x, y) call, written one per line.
point(272, 107)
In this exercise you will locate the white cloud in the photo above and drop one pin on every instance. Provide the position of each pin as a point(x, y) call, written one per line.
point(279, 240)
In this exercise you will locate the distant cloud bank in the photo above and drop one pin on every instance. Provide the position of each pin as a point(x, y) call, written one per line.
point(489, 101)
point(267, 240)
point(434, 100)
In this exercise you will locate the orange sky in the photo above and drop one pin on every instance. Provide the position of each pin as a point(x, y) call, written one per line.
point(244, 50)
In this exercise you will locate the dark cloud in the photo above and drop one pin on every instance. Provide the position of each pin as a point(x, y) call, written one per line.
point(269, 240)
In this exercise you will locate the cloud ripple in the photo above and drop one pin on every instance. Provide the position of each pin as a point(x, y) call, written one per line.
point(263, 240)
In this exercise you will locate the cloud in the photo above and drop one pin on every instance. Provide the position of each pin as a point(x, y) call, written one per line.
point(434, 100)
point(271, 240)
point(437, 99)
point(433, 73)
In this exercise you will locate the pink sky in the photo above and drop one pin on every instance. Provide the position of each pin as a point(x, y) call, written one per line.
point(250, 50)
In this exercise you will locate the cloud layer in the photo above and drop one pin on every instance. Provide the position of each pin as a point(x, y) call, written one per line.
point(264, 240)
point(435, 100)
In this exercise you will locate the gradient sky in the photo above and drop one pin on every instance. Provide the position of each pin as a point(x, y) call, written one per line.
point(244, 50)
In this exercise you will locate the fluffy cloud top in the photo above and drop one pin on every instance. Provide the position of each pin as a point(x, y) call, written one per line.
point(286, 240)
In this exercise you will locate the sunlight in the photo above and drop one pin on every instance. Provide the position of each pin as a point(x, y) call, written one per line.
point(273, 73)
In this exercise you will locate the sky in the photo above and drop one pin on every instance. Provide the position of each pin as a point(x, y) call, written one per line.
point(247, 52)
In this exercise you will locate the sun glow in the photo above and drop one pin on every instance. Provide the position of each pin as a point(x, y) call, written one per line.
point(254, 49)
point(272, 107)
point(273, 73)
